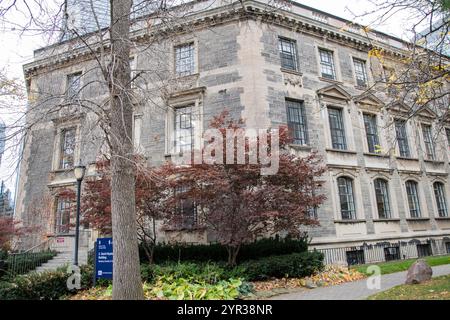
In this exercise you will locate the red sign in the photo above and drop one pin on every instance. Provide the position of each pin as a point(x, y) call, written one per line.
point(60, 240)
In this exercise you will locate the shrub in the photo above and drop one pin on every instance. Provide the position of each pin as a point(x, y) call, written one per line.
point(217, 253)
point(174, 288)
point(24, 263)
point(294, 265)
point(48, 285)
point(203, 272)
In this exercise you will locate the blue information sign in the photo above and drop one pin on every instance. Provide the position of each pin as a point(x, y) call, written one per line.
point(104, 258)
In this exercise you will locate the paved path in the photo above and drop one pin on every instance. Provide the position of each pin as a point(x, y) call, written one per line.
point(355, 290)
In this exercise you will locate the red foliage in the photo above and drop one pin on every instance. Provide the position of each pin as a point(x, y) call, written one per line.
point(9, 228)
point(239, 203)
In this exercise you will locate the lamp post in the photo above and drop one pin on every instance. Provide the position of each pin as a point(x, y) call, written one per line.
point(79, 175)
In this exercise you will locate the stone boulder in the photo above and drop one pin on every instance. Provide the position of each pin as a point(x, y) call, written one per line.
point(419, 272)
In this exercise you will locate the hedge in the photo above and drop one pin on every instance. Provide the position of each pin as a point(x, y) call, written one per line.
point(217, 253)
point(296, 265)
point(49, 285)
point(24, 263)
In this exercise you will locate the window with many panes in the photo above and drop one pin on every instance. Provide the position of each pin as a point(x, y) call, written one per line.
point(296, 119)
point(63, 211)
point(185, 59)
point(337, 129)
point(67, 148)
point(184, 129)
point(186, 209)
point(288, 53)
point(346, 198)
point(370, 124)
point(441, 202)
point(327, 64)
point(382, 197)
point(402, 138)
point(360, 72)
point(73, 85)
point(413, 199)
point(429, 143)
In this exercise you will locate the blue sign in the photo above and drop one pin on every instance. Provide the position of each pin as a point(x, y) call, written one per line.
point(104, 258)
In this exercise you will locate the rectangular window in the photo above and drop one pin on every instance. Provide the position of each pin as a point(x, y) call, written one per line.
point(288, 54)
point(63, 211)
point(413, 199)
point(73, 85)
point(185, 60)
point(296, 119)
point(429, 143)
point(370, 123)
point(346, 198)
point(360, 72)
point(184, 129)
point(392, 253)
point(327, 64)
point(355, 257)
point(67, 151)
point(402, 138)
point(424, 250)
point(382, 197)
point(439, 193)
point(186, 210)
point(337, 129)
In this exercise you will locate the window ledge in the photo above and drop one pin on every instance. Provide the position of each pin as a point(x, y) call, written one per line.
point(364, 88)
point(370, 154)
point(341, 151)
point(330, 80)
point(186, 77)
point(300, 147)
point(441, 218)
point(62, 170)
point(387, 220)
point(434, 161)
point(408, 159)
point(418, 219)
point(350, 221)
point(294, 72)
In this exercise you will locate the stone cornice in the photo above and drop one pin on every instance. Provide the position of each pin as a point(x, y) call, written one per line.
point(250, 9)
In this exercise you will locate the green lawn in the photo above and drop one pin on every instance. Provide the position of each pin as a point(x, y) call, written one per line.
point(402, 265)
point(436, 289)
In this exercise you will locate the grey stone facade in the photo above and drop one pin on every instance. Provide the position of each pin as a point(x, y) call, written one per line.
point(238, 68)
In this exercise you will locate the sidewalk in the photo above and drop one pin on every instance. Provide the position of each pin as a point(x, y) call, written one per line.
point(356, 290)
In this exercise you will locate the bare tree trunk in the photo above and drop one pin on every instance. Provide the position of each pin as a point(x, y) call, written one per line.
point(126, 276)
point(232, 255)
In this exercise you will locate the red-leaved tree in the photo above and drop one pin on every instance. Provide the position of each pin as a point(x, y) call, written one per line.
point(236, 202)
point(9, 229)
point(96, 204)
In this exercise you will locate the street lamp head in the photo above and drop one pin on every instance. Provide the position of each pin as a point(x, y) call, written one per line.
point(79, 172)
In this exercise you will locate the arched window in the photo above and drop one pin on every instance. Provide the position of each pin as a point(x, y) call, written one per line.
point(439, 193)
point(382, 196)
point(413, 198)
point(346, 198)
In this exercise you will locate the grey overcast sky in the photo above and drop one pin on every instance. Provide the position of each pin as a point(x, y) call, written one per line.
point(17, 50)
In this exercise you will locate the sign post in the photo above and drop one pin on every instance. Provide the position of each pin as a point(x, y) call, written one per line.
point(103, 259)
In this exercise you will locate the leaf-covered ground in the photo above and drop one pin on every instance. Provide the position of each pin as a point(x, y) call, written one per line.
point(436, 289)
point(331, 275)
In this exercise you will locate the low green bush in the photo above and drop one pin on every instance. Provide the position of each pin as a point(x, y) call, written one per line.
point(49, 285)
point(294, 265)
point(207, 272)
point(174, 288)
point(24, 263)
point(217, 253)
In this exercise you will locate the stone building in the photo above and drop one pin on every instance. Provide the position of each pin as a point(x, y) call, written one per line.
point(271, 63)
